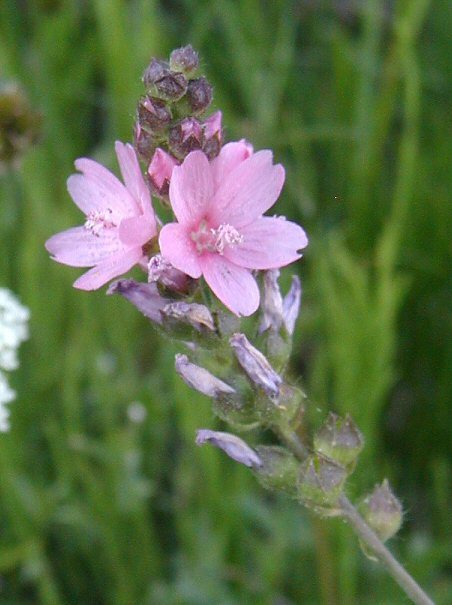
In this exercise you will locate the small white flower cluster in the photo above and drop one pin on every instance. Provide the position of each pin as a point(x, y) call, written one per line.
point(13, 331)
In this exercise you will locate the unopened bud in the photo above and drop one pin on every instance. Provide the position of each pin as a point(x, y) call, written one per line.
point(163, 83)
point(145, 297)
point(201, 379)
point(382, 511)
point(160, 170)
point(186, 136)
point(156, 70)
point(320, 483)
point(256, 366)
point(213, 135)
point(278, 470)
point(339, 439)
point(184, 60)
point(193, 315)
point(233, 446)
point(144, 142)
point(291, 305)
point(199, 95)
point(153, 114)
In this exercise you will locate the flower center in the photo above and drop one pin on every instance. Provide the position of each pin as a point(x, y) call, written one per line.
point(97, 220)
point(215, 240)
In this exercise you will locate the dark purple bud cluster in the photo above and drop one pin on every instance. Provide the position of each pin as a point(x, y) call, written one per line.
point(170, 113)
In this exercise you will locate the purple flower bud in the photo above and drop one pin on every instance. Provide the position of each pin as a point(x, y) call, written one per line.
point(159, 269)
point(184, 59)
point(213, 135)
point(144, 142)
point(200, 379)
point(161, 82)
point(256, 366)
point(156, 70)
point(153, 114)
point(145, 297)
point(199, 95)
point(196, 315)
point(185, 136)
point(272, 303)
point(291, 304)
point(382, 511)
point(160, 170)
point(233, 446)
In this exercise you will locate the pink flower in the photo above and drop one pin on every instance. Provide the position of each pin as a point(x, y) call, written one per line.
point(221, 233)
point(119, 220)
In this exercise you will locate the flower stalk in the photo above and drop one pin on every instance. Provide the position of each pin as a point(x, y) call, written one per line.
point(219, 242)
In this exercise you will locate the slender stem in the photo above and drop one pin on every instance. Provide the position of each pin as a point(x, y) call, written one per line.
point(399, 573)
point(366, 534)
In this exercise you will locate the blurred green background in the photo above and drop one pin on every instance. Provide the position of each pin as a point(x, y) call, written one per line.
point(104, 498)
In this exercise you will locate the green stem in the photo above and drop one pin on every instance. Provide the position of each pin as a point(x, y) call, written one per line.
point(366, 534)
point(395, 569)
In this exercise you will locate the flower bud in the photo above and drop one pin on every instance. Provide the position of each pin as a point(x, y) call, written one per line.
point(145, 297)
point(199, 95)
point(160, 170)
point(193, 315)
point(291, 305)
point(339, 439)
point(184, 60)
point(200, 379)
point(382, 511)
point(163, 83)
point(278, 470)
point(233, 446)
point(153, 114)
point(184, 137)
point(256, 366)
point(144, 142)
point(213, 135)
point(156, 70)
point(162, 271)
point(272, 303)
point(320, 483)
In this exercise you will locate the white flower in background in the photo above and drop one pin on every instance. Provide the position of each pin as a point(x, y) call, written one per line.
point(13, 331)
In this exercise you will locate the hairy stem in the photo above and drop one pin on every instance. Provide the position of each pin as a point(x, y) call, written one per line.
point(366, 534)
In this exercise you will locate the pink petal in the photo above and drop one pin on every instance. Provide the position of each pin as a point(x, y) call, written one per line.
point(136, 231)
point(161, 168)
point(234, 286)
point(230, 156)
point(248, 191)
point(177, 247)
point(132, 176)
point(191, 188)
point(268, 243)
point(79, 247)
point(92, 193)
point(108, 269)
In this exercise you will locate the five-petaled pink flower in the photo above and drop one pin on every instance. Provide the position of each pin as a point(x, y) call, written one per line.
point(221, 233)
point(119, 220)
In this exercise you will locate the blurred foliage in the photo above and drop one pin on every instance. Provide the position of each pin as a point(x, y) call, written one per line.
point(101, 505)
